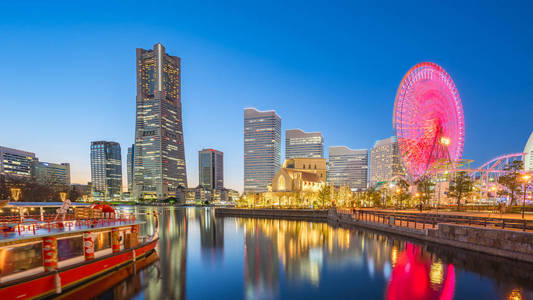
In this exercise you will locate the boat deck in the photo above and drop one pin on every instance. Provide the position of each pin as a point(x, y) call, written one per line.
point(33, 229)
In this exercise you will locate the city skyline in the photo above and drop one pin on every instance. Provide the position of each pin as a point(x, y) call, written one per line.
point(354, 101)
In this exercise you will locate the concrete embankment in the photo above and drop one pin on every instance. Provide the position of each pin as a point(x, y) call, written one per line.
point(289, 214)
point(511, 244)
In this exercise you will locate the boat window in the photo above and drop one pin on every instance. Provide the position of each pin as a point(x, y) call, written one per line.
point(103, 241)
point(17, 259)
point(69, 248)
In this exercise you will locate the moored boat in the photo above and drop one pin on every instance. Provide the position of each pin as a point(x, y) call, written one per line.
point(39, 259)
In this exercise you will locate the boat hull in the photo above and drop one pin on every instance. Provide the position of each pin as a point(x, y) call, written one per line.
point(44, 285)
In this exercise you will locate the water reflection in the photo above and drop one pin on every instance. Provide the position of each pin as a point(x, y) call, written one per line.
point(202, 256)
point(415, 276)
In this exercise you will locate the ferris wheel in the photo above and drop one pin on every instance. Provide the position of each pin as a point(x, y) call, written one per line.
point(428, 119)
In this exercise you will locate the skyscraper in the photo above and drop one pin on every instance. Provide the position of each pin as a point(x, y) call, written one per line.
point(348, 167)
point(211, 168)
point(106, 170)
point(15, 162)
point(262, 148)
point(129, 166)
point(303, 144)
point(159, 156)
point(385, 161)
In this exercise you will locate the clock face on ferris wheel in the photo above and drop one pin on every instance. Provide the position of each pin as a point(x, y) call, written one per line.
point(428, 119)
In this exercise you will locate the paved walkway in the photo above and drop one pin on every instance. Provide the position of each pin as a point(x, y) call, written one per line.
point(486, 214)
point(422, 224)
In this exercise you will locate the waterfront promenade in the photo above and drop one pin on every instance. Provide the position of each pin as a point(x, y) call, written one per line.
point(506, 237)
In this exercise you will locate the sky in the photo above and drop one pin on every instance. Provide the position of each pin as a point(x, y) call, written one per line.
point(67, 71)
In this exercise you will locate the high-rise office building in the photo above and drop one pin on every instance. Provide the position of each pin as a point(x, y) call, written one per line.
point(303, 144)
point(385, 161)
point(211, 168)
point(262, 149)
point(15, 162)
point(51, 174)
point(159, 156)
point(129, 167)
point(348, 167)
point(106, 170)
point(528, 154)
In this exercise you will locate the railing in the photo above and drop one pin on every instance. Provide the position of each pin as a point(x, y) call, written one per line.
point(34, 227)
point(431, 220)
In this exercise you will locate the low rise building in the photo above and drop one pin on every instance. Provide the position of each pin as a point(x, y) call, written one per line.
point(300, 174)
point(51, 174)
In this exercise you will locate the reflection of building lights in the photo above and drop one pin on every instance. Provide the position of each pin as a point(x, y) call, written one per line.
point(436, 273)
point(394, 255)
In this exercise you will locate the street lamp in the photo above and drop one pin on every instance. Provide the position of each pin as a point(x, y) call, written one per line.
point(525, 178)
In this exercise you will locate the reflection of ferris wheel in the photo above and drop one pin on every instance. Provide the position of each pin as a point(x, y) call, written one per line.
point(428, 119)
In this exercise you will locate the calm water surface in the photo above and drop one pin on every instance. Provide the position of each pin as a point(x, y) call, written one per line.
point(203, 257)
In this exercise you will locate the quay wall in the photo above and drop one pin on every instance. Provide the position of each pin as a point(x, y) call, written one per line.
point(511, 244)
point(289, 214)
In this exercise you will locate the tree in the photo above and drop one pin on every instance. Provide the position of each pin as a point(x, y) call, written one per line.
point(402, 191)
point(373, 196)
point(510, 180)
point(424, 186)
point(460, 186)
point(324, 195)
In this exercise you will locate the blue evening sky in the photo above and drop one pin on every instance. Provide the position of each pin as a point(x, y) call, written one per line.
point(68, 71)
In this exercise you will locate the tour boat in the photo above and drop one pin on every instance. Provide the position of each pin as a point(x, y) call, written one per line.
point(74, 257)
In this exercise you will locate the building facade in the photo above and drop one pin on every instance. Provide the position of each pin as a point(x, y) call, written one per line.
point(57, 175)
point(300, 175)
point(15, 162)
point(262, 149)
point(129, 167)
point(385, 161)
point(348, 167)
point(159, 156)
point(211, 169)
point(106, 170)
point(303, 144)
point(528, 154)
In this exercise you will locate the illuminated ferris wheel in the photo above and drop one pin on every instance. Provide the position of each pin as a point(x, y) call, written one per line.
point(428, 119)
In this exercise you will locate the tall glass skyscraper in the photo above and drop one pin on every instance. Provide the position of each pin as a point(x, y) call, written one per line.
point(159, 156)
point(262, 149)
point(211, 169)
point(106, 170)
point(385, 161)
point(129, 167)
point(348, 167)
point(300, 144)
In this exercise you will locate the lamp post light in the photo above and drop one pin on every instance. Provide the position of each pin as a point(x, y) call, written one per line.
point(525, 178)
